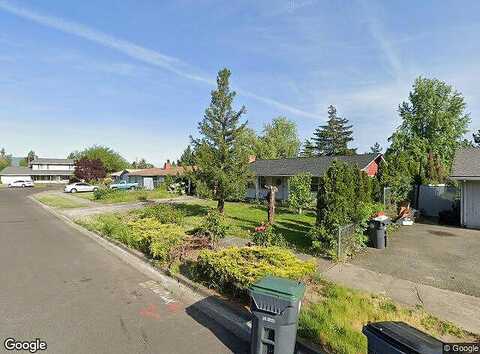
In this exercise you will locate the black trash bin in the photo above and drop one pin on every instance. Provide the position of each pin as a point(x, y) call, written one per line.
point(378, 232)
point(275, 308)
point(399, 338)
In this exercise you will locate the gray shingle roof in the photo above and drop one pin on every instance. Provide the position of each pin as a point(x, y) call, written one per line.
point(317, 166)
point(25, 171)
point(52, 161)
point(466, 163)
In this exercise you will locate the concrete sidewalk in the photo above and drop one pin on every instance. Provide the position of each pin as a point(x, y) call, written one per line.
point(462, 310)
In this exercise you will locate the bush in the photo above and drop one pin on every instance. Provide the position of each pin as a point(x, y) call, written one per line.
point(345, 196)
point(103, 193)
point(142, 196)
point(165, 213)
point(234, 269)
point(213, 226)
point(299, 196)
point(169, 237)
point(267, 236)
point(142, 232)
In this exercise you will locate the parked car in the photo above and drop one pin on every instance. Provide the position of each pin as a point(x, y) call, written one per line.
point(21, 184)
point(123, 185)
point(80, 187)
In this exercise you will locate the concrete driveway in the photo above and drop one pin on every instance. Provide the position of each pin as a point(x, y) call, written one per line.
point(59, 285)
point(440, 256)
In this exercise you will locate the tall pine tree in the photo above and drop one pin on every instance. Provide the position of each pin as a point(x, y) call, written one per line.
point(332, 139)
point(476, 138)
point(376, 148)
point(222, 168)
point(308, 149)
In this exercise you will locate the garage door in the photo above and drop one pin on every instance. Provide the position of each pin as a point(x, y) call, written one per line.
point(472, 204)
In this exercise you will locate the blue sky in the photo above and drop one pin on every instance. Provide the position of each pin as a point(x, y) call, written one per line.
point(136, 75)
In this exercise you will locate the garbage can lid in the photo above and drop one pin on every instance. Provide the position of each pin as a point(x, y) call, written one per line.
point(279, 287)
point(405, 337)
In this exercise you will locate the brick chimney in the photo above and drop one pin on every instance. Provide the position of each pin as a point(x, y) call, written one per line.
point(167, 165)
point(251, 158)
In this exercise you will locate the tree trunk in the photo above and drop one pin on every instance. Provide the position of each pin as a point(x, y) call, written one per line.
point(271, 203)
point(221, 205)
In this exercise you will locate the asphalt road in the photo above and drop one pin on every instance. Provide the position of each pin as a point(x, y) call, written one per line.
point(58, 285)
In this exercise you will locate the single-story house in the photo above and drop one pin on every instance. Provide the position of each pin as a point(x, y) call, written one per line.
point(149, 178)
point(277, 172)
point(466, 170)
point(40, 170)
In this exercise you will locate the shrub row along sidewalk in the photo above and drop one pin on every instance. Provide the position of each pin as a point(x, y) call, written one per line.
point(332, 315)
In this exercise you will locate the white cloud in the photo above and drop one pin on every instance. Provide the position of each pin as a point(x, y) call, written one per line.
point(137, 52)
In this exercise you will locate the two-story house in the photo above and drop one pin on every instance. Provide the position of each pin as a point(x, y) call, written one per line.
point(41, 170)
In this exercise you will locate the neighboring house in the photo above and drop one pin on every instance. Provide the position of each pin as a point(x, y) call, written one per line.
point(466, 170)
point(277, 172)
point(40, 170)
point(149, 178)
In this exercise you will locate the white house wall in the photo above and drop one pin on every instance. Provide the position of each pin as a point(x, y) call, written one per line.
point(53, 167)
point(10, 179)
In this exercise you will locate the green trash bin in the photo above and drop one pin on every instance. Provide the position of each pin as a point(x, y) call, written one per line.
point(275, 308)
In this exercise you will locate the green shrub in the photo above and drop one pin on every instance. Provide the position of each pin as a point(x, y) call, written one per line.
point(213, 226)
point(165, 213)
point(103, 193)
point(169, 236)
point(267, 236)
point(299, 195)
point(112, 226)
point(323, 241)
point(142, 233)
point(142, 196)
point(234, 269)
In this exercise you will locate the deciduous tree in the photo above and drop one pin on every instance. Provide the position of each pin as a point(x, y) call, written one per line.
point(89, 170)
point(111, 160)
point(299, 194)
point(280, 140)
point(433, 124)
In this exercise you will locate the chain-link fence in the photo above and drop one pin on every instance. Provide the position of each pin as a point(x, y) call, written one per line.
point(346, 241)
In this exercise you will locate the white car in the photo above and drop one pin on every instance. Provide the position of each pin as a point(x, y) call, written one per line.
point(80, 187)
point(21, 183)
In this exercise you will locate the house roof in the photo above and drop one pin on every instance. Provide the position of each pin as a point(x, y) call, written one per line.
point(25, 171)
point(316, 166)
point(151, 172)
point(44, 161)
point(119, 173)
point(466, 164)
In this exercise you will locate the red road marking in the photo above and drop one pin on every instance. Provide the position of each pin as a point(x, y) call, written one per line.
point(150, 311)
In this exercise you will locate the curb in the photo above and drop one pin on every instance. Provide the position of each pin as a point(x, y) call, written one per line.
point(229, 316)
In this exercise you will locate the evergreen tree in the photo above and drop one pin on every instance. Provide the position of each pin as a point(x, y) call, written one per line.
point(222, 166)
point(332, 139)
point(308, 149)
point(187, 158)
point(376, 148)
point(476, 138)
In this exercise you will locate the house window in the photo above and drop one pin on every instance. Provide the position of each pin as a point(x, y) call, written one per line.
point(263, 182)
point(314, 184)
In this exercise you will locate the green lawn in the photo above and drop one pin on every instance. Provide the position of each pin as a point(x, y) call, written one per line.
point(128, 196)
point(244, 217)
point(333, 316)
point(58, 201)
